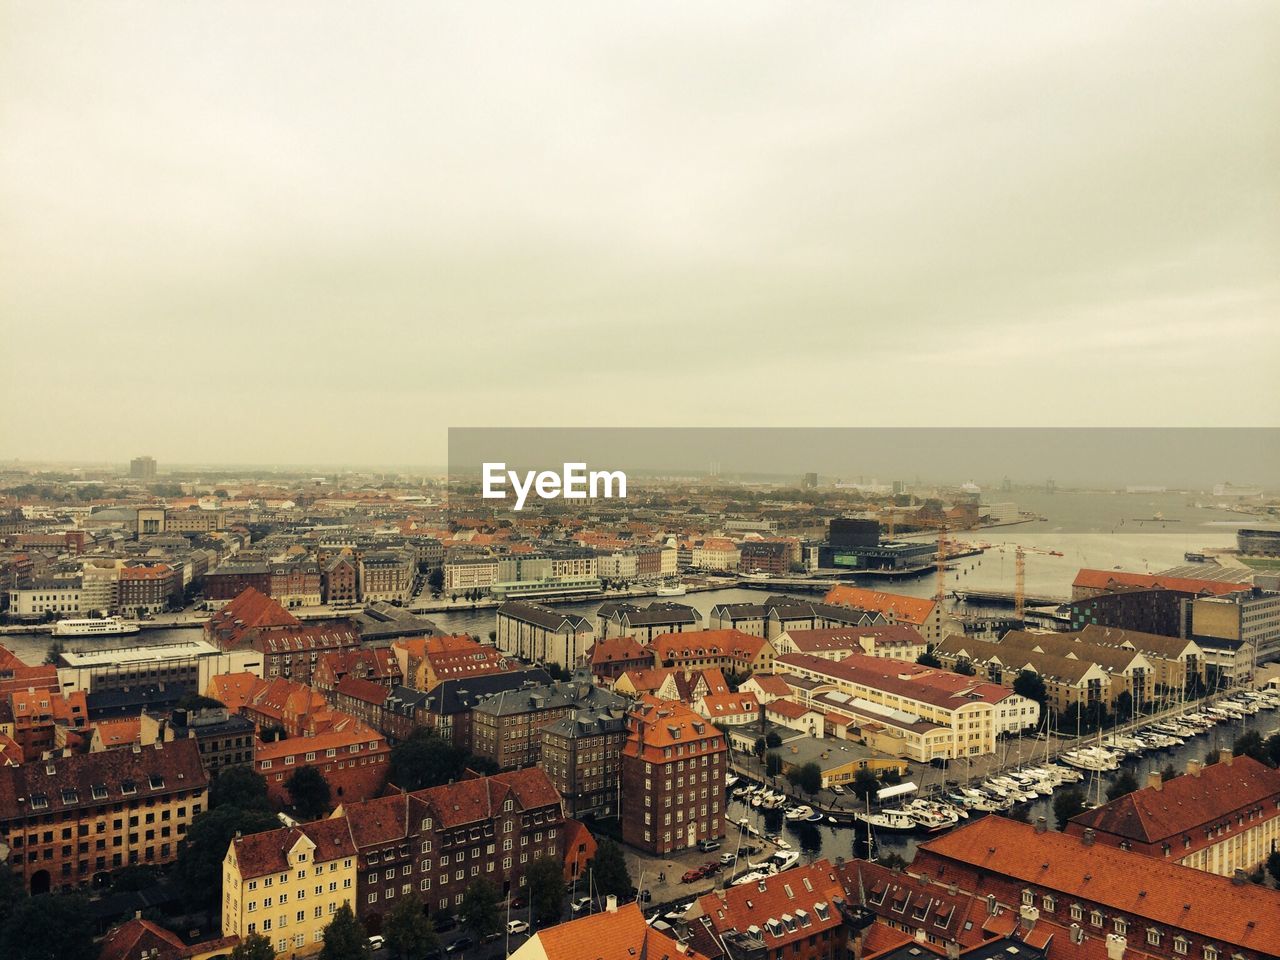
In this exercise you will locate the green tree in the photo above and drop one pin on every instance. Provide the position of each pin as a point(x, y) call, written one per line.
point(928, 658)
point(1212, 756)
point(772, 740)
point(1124, 784)
point(425, 759)
point(864, 783)
point(344, 937)
point(1273, 866)
point(409, 933)
point(12, 892)
point(609, 872)
point(309, 791)
point(1066, 804)
point(810, 778)
point(53, 655)
point(254, 947)
point(479, 912)
point(200, 854)
point(1250, 744)
point(435, 580)
point(890, 775)
point(139, 876)
point(772, 764)
point(53, 927)
point(238, 786)
point(545, 882)
point(1168, 773)
point(1272, 746)
point(893, 860)
point(965, 666)
point(1123, 707)
point(1030, 684)
point(759, 747)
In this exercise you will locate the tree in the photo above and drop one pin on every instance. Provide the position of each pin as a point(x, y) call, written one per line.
point(241, 787)
point(53, 655)
point(810, 779)
point(254, 947)
point(545, 882)
point(49, 928)
point(12, 892)
point(773, 740)
point(435, 580)
point(1272, 746)
point(1123, 706)
point(1273, 866)
point(1168, 773)
point(864, 782)
point(479, 912)
point(928, 658)
point(408, 931)
point(344, 937)
point(1066, 804)
point(1212, 756)
point(893, 860)
point(890, 775)
point(1250, 744)
point(425, 760)
point(1030, 684)
point(1124, 784)
point(965, 666)
point(138, 876)
point(309, 791)
point(609, 872)
point(772, 764)
point(200, 854)
point(759, 747)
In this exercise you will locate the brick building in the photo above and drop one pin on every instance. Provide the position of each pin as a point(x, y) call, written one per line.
point(582, 754)
point(764, 556)
point(339, 580)
point(145, 590)
point(350, 756)
point(224, 739)
point(673, 770)
point(505, 726)
point(68, 819)
point(432, 844)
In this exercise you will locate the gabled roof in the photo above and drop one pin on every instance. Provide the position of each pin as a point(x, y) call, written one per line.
point(786, 908)
point(1185, 805)
point(707, 643)
point(912, 610)
point(1168, 894)
point(1110, 579)
point(620, 935)
point(259, 854)
point(613, 649)
point(138, 938)
point(252, 610)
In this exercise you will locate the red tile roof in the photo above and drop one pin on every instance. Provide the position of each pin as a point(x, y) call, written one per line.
point(787, 908)
point(1108, 579)
point(618, 648)
point(911, 610)
point(940, 688)
point(706, 643)
point(657, 724)
point(1153, 890)
point(138, 939)
point(622, 935)
point(265, 853)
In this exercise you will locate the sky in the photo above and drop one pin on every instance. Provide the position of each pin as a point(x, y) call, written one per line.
point(326, 232)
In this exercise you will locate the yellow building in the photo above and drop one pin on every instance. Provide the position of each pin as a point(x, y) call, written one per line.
point(287, 884)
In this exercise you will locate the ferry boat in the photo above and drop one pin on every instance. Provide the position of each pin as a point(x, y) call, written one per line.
point(672, 590)
point(106, 627)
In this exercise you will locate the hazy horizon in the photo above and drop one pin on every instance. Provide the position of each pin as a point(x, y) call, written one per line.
point(322, 233)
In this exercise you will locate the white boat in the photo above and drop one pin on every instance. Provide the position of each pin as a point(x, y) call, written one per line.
point(894, 820)
point(929, 816)
point(730, 779)
point(106, 627)
point(799, 813)
point(672, 590)
point(752, 877)
point(1091, 758)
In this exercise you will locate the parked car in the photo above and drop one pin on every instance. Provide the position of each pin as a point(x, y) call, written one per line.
point(517, 926)
point(726, 859)
point(692, 876)
point(582, 903)
point(644, 896)
point(836, 788)
point(708, 869)
point(706, 846)
point(445, 922)
point(462, 943)
point(376, 942)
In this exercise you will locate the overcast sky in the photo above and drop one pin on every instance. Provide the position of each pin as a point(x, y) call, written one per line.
point(322, 232)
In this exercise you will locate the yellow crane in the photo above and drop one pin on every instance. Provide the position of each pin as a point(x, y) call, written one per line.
point(1019, 583)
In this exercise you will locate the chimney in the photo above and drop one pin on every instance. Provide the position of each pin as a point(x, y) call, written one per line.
point(953, 950)
point(1042, 824)
point(1155, 780)
point(611, 904)
point(1240, 877)
point(1028, 916)
point(1087, 837)
point(1115, 946)
point(991, 904)
point(1077, 933)
point(1226, 756)
point(1194, 767)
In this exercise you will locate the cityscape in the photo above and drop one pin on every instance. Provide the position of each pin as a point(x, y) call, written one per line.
point(253, 713)
point(639, 481)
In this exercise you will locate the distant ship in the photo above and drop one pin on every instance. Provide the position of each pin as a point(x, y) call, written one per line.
point(106, 627)
point(672, 590)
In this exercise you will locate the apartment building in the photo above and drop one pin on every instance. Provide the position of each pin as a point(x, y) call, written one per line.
point(1069, 681)
point(287, 884)
point(722, 649)
point(1237, 631)
point(506, 726)
point(673, 769)
point(351, 757)
point(67, 821)
point(924, 615)
point(582, 754)
point(387, 575)
point(540, 634)
point(975, 710)
point(1219, 818)
point(893, 641)
point(622, 619)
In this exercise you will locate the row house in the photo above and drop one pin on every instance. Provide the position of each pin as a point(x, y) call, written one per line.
point(362, 699)
point(295, 582)
point(432, 844)
point(143, 590)
point(923, 614)
point(387, 575)
point(609, 658)
point(70, 820)
point(376, 664)
point(645, 623)
point(892, 641)
point(427, 661)
point(1068, 682)
point(722, 649)
point(340, 580)
point(448, 706)
point(224, 739)
point(765, 556)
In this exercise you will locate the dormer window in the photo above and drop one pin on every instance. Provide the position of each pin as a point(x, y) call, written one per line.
point(70, 797)
point(156, 782)
point(128, 787)
point(39, 802)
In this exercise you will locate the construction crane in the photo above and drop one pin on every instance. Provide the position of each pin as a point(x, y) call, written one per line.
point(942, 565)
point(1019, 584)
